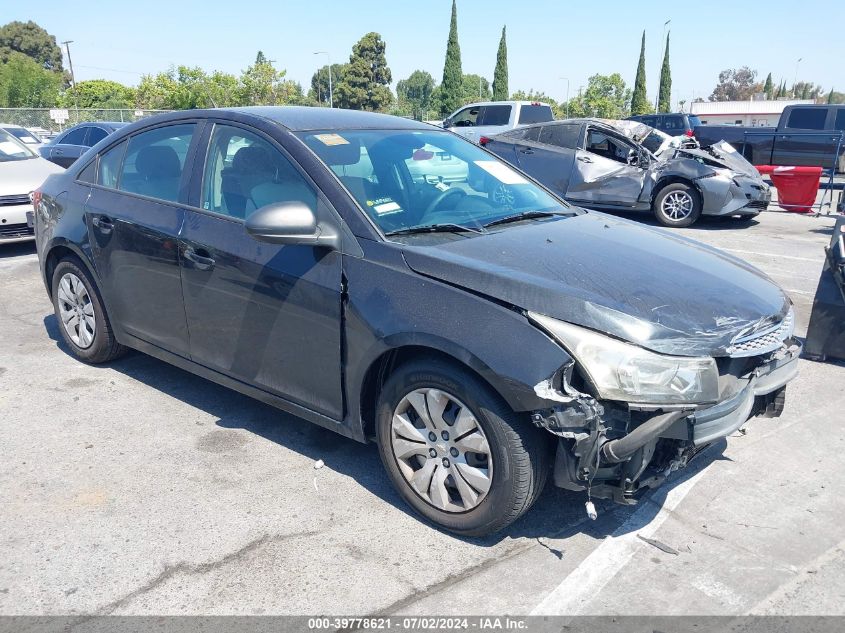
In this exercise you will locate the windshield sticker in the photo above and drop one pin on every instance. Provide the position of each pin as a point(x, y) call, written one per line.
point(387, 208)
point(501, 172)
point(331, 139)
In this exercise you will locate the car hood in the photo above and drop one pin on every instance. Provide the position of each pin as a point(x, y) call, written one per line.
point(663, 292)
point(18, 177)
point(724, 155)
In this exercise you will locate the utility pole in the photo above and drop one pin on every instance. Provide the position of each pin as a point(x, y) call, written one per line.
point(329, 60)
point(67, 44)
point(662, 38)
point(794, 81)
point(567, 95)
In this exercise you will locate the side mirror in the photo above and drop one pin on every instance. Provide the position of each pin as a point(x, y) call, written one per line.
point(290, 223)
point(447, 122)
point(633, 158)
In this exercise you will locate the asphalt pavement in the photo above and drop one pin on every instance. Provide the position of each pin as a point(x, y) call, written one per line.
point(137, 488)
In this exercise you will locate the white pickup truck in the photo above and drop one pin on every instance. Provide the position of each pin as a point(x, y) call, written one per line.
point(494, 117)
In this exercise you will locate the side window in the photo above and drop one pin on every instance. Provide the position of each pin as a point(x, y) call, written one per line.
point(496, 115)
point(109, 166)
point(154, 161)
point(650, 121)
point(673, 124)
point(95, 135)
point(244, 172)
point(607, 146)
point(560, 135)
point(839, 123)
point(75, 137)
point(807, 118)
point(466, 117)
point(89, 173)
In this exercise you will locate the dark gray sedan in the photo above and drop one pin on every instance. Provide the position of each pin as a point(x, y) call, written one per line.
point(484, 340)
point(75, 141)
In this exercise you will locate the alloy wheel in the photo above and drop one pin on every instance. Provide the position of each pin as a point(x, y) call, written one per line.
point(76, 311)
point(677, 205)
point(441, 450)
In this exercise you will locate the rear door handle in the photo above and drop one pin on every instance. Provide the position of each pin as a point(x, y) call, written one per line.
point(527, 151)
point(200, 258)
point(57, 151)
point(585, 159)
point(103, 223)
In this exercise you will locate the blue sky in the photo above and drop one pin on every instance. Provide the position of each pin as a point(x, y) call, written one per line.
point(547, 40)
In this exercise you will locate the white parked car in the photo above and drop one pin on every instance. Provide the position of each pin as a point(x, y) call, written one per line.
point(22, 171)
point(494, 117)
point(23, 135)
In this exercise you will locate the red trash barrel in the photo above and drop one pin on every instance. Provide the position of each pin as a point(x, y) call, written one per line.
point(797, 186)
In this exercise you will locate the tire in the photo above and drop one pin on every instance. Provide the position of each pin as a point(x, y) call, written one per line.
point(77, 302)
point(677, 205)
point(518, 454)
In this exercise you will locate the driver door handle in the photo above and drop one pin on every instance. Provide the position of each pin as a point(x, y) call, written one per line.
point(527, 151)
point(103, 223)
point(200, 258)
point(585, 159)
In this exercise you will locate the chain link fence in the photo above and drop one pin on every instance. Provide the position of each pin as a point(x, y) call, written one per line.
point(45, 119)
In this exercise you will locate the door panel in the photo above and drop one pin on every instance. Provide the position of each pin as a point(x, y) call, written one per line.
point(805, 138)
point(601, 175)
point(135, 247)
point(551, 166)
point(265, 314)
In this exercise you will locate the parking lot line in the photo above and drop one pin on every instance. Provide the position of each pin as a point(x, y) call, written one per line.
point(776, 255)
point(599, 568)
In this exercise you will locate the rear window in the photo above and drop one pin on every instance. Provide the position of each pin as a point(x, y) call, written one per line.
point(529, 114)
point(496, 115)
point(673, 124)
point(560, 135)
point(807, 118)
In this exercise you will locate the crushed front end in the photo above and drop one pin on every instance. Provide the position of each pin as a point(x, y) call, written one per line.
point(613, 448)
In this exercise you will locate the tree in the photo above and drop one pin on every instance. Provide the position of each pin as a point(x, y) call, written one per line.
point(25, 83)
point(262, 84)
point(475, 88)
point(319, 90)
point(768, 88)
point(806, 90)
point(835, 97)
point(736, 85)
point(451, 88)
point(664, 99)
point(416, 91)
point(782, 90)
point(606, 97)
point(365, 85)
point(184, 88)
point(500, 74)
point(98, 93)
point(31, 40)
point(639, 100)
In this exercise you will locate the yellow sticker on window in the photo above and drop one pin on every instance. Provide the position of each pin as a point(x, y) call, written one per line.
point(331, 139)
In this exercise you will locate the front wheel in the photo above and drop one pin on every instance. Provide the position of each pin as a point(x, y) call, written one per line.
point(677, 205)
point(455, 452)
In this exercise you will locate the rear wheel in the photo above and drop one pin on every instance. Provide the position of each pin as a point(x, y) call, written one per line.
point(677, 205)
point(82, 318)
point(455, 452)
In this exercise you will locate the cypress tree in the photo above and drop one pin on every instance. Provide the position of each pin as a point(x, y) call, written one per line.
point(830, 96)
point(768, 88)
point(500, 75)
point(664, 100)
point(451, 90)
point(639, 100)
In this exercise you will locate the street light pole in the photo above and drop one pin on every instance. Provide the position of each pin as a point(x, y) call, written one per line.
point(329, 60)
point(567, 95)
point(662, 38)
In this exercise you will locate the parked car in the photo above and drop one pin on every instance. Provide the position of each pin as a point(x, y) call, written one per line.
point(671, 123)
point(806, 135)
point(22, 134)
point(477, 339)
point(75, 141)
point(493, 117)
point(21, 172)
point(604, 166)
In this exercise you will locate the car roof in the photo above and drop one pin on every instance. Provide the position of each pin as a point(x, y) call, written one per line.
point(301, 118)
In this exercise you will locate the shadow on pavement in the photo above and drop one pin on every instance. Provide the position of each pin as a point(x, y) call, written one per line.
point(17, 249)
point(557, 514)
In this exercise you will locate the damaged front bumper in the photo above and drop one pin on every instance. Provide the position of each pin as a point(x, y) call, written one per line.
point(727, 193)
point(614, 450)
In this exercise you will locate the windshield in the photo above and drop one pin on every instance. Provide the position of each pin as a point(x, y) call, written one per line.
point(406, 179)
point(12, 149)
point(24, 136)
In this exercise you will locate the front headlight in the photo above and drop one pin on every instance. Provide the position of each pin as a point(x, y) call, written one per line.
point(621, 371)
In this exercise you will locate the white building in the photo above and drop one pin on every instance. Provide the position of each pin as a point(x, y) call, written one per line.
point(753, 113)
